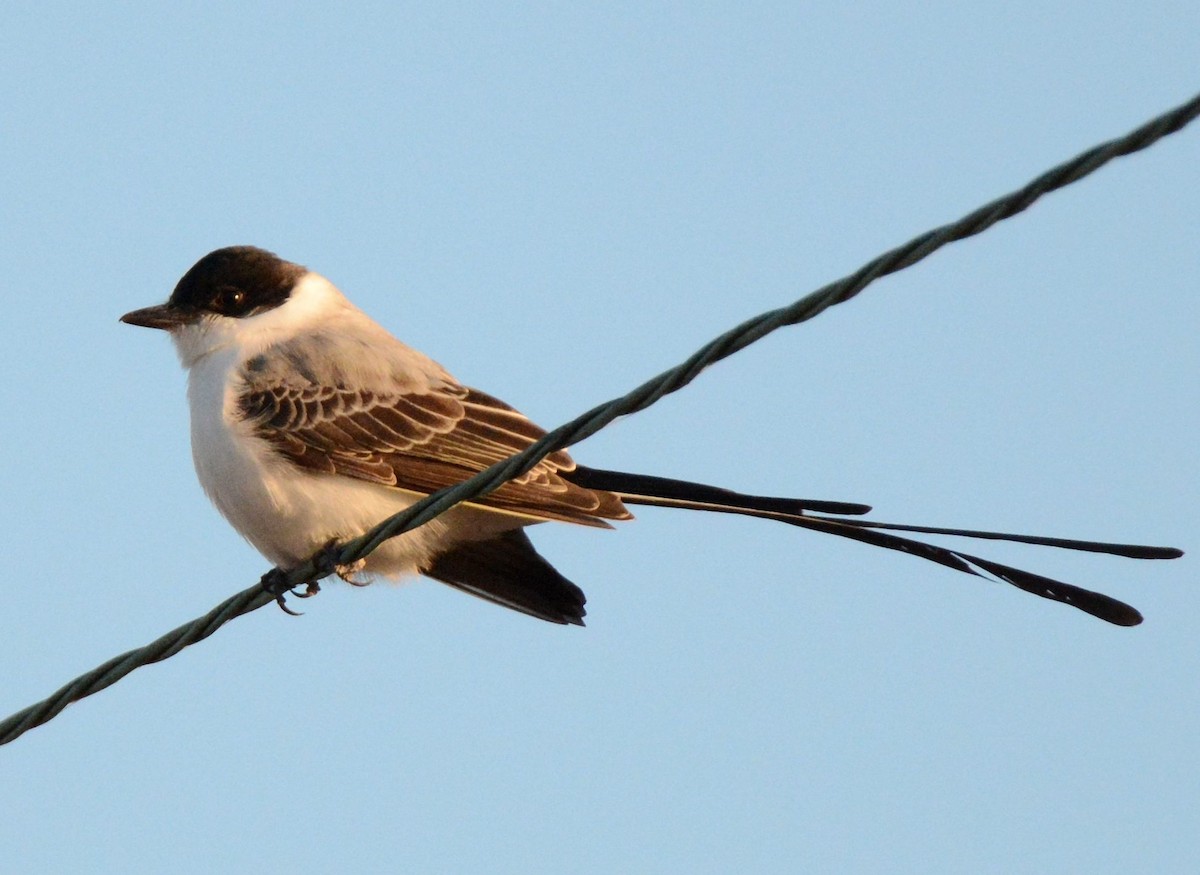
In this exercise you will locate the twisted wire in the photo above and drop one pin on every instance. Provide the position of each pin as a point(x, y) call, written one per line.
point(598, 417)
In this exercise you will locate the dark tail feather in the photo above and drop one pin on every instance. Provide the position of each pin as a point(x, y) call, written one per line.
point(663, 492)
point(508, 571)
point(1132, 551)
point(1094, 603)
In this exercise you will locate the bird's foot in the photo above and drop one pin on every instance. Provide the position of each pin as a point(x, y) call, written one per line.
point(327, 563)
point(275, 583)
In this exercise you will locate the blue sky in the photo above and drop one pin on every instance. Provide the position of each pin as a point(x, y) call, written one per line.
point(556, 202)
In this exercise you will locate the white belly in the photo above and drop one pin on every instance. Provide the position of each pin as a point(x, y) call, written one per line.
point(288, 514)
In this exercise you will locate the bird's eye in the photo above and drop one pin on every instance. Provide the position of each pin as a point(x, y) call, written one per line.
point(230, 300)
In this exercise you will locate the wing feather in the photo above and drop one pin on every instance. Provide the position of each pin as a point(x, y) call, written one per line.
point(420, 441)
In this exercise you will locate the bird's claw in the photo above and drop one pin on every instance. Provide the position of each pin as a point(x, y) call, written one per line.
point(275, 583)
point(283, 607)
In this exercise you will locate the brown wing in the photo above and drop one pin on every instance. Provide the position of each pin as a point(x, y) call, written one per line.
point(422, 442)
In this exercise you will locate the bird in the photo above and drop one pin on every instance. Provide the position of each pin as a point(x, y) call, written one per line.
point(311, 423)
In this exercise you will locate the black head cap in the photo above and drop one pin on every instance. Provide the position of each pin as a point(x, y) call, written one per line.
point(236, 281)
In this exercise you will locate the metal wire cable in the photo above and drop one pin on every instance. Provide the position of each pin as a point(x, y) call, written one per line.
point(595, 419)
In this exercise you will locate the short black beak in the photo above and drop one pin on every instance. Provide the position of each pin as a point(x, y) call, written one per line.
point(162, 316)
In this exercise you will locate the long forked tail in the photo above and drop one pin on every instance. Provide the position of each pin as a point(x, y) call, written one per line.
point(665, 492)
